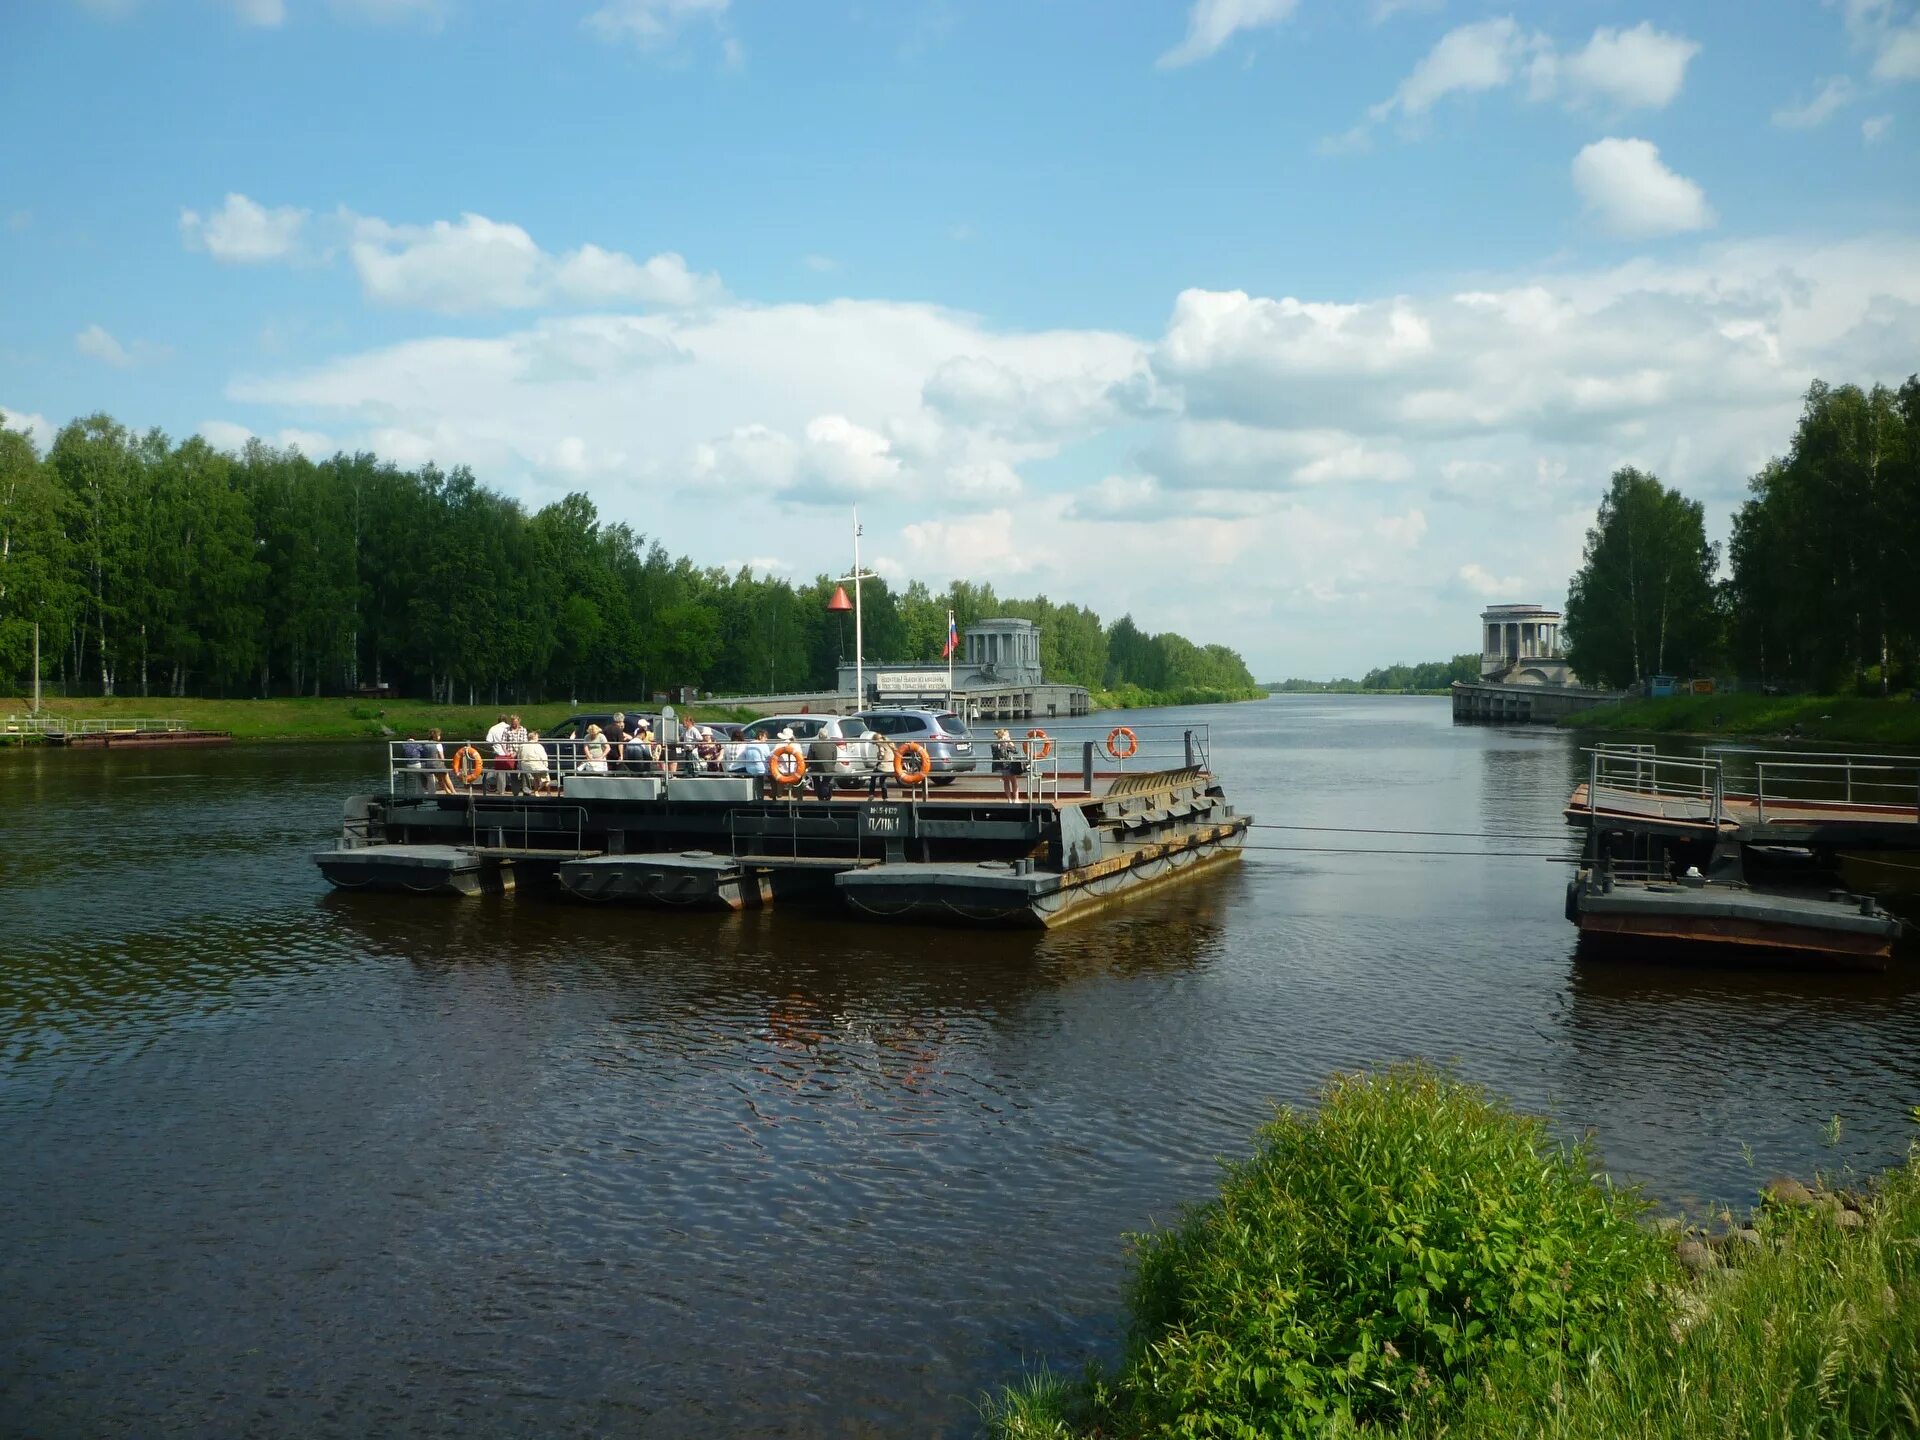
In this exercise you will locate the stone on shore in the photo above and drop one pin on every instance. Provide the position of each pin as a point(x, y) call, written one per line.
point(1788, 1191)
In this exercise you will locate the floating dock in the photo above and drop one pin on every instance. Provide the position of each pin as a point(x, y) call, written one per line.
point(1096, 818)
point(1725, 856)
point(107, 734)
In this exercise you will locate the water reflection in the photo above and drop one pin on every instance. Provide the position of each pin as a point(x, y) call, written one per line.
point(283, 1159)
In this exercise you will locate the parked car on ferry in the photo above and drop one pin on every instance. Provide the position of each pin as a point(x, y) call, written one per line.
point(854, 751)
point(565, 740)
point(948, 742)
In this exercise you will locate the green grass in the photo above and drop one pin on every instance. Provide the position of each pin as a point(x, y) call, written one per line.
point(1416, 1261)
point(1849, 719)
point(325, 719)
point(1815, 1332)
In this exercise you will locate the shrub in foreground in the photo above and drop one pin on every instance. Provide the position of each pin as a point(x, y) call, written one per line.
point(1813, 1332)
point(1373, 1258)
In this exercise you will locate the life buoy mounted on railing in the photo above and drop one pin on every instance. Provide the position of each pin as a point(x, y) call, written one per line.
point(787, 765)
point(1118, 734)
point(922, 768)
point(468, 767)
point(1038, 744)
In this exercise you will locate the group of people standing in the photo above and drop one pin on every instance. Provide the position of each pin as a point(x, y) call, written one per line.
point(519, 763)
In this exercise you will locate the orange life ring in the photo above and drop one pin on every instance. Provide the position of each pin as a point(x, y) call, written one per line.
point(917, 774)
point(787, 765)
point(1045, 742)
point(1118, 733)
point(468, 767)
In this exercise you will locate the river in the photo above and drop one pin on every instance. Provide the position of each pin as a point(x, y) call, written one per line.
point(281, 1161)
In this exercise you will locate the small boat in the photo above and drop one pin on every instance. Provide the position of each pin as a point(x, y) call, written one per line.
point(1698, 918)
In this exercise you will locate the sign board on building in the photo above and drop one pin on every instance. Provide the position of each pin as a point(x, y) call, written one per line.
point(918, 681)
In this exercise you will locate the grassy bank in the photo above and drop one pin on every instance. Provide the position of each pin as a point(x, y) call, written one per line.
point(1132, 697)
point(325, 719)
point(1415, 1260)
point(1847, 719)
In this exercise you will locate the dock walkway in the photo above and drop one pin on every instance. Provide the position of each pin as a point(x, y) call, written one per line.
point(1755, 797)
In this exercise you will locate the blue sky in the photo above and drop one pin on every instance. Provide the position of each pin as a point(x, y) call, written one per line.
point(1306, 326)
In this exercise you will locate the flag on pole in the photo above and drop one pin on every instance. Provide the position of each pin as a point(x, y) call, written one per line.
point(953, 639)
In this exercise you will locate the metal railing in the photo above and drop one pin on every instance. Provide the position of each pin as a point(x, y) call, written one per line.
point(1636, 772)
point(1051, 761)
point(1784, 778)
point(105, 725)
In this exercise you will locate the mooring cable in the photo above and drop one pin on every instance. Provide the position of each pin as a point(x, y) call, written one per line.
point(1446, 834)
point(1450, 854)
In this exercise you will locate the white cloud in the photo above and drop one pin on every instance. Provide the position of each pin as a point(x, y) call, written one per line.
point(1899, 58)
point(1477, 579)
point(1293, 439)
point(1633, 193)
point(820, 264)
point(652, 24)
point(1483, 56)
point(265, 13)
point(1874, 127)
point(243, 232)
point(31, 424)
point(476, 263)
point(227, 435)
point(1641, 69)
point(992, 545)
point(97, 344)
point(1835, 93)
point(1891, 31)
point(1402, 532)
point(1211, 23)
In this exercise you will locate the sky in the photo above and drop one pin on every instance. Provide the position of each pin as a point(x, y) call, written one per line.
point(1306, 326)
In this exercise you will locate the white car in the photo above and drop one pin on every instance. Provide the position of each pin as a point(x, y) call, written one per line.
point(854, 753)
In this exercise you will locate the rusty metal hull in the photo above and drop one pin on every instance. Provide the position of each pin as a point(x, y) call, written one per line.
point(1730, 924)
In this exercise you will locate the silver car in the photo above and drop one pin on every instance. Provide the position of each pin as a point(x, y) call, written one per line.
point(948, 742)
point(854, 753)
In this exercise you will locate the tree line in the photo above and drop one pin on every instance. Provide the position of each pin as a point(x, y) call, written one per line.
point(1427, 675)
point(163, 568)
point(1821, 589)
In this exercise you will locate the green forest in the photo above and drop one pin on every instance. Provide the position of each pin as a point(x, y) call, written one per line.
point(1427, 675)
point(177, 569)
point(1819, 593)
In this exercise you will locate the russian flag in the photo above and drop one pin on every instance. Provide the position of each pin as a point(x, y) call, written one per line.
point(953, 638)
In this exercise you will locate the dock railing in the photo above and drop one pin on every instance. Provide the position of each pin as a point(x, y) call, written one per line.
point(1632, 775)
point(100, 725)
point(1788, 778)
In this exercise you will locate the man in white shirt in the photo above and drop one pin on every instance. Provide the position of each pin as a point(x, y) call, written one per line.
point(502, 753)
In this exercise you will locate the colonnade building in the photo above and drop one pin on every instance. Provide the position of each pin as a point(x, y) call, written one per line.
point(996, 676)
point(1520, 645)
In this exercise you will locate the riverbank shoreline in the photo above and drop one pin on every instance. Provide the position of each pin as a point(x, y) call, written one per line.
point(300, 721)
point(340, 719)
point(1476, 1277)
point(1844, 719)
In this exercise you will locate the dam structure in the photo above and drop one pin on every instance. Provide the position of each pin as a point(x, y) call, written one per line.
point(1093, 817)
